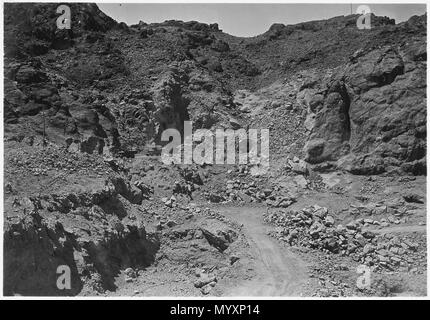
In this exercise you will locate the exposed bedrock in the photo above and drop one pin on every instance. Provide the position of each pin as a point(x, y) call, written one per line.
point(371, 115)
point(90, 232)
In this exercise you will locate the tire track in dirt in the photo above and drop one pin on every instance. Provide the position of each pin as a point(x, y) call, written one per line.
point(279, 271)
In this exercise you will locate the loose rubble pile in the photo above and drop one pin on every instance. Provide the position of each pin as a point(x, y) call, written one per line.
point(215, 214)
point(236, 188)
point(313, 227)
point(45, 161)
point(205, 282)
point(387, 212)
point(252, 191)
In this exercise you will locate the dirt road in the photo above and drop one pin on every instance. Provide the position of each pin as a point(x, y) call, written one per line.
point(280, 272)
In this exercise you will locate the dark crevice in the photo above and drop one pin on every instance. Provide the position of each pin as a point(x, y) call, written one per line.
point(345, 111)
point(387, 77)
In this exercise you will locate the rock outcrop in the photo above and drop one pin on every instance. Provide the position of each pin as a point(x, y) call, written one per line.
point(90, 233)
point(370, 116)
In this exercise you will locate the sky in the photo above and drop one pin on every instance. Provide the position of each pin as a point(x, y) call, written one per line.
point(247, 20)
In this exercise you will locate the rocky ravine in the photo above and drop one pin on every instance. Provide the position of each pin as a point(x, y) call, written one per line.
point(83, 113)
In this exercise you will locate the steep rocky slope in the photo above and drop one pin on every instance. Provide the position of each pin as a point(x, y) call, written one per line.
point(84, 110)
point(142, 79)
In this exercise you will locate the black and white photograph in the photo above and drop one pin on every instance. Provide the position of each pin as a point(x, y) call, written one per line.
point(214, 150)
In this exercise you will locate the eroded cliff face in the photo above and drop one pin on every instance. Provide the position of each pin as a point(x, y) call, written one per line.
point(371, 115)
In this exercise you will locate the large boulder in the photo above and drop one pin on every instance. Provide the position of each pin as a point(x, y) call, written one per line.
point(218, 235)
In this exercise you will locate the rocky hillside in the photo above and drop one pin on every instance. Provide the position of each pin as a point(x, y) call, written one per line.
point(84, 110)
point(105, 87)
